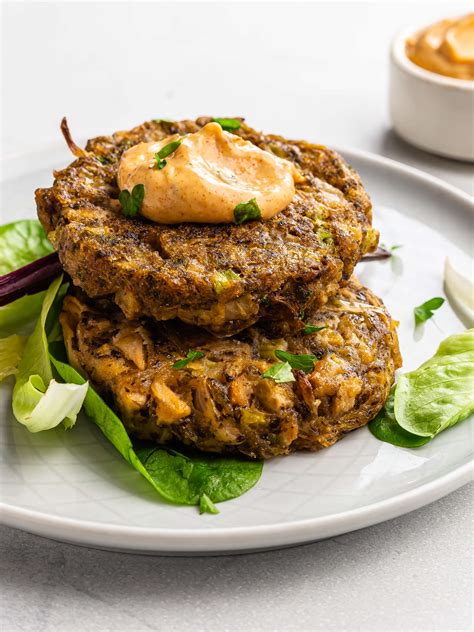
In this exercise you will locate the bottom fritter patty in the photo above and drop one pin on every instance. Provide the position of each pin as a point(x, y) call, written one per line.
point(220, 402)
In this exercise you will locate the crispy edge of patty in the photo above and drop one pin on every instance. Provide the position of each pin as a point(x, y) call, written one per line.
point(284, 265)
point(220, 402)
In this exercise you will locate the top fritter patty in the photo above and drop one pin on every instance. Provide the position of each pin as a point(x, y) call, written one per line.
point(223, 277)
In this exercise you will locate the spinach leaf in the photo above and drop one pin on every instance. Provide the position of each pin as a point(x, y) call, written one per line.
point(184, 479)
point(425, 310)
point(132, 202)
point(228, 124)
point(190, 480)
point(21, 243)
point(247, 211)
point(440, 393)
point(280, 373)
point(303, 361)
point(385, 427)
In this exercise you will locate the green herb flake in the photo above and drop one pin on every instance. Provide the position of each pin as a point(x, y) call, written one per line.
point(228, 124)
point(280, 373)
point(247, 211)
point(192, 355)
point(325, 236)
point(131, 203)
point(425, 311)
point(312, 329)
point(106, 160)
point(166, 151)
point(223, 280)
point(391, 248)
point(303, 361)
point(206, 505)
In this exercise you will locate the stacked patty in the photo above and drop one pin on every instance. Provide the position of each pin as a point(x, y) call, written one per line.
point(220, 402)
point(146, 294)
point(279, 267)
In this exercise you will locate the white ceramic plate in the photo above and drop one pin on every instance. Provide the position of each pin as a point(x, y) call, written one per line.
point(73, 486)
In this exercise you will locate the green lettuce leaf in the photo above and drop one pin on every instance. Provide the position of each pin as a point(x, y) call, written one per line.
point(39, 402)
point(440, 393)
point(21, 243)
point(20, 315)
point(197, 479)
point(11, 349)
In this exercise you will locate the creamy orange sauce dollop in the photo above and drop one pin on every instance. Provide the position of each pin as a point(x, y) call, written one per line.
point(446, 48)
point(206, 177)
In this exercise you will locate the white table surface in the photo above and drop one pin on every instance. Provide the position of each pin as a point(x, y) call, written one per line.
point(304, 70)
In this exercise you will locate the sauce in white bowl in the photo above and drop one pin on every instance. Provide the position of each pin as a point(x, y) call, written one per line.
point(429, 110)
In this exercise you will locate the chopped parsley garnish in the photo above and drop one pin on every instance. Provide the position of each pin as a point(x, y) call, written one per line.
point(392, 248)
point(280, 373)
point(166, 151)
point(228, 124)
point(192, 355)
point(131, 203)
point(303, 361)
point(223, 280)
point(312, 329)
point(247, 211)
point(425, 310)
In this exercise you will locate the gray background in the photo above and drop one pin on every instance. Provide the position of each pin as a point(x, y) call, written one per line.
point(316, 70)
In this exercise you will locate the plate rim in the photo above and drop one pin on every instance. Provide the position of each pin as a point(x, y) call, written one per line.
point(247, 538)
point(170, 540)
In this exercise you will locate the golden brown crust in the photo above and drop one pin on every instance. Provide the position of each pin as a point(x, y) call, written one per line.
point(292, 262)
point(220, 402)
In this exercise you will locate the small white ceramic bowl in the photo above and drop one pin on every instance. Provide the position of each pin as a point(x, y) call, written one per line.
point(430, 111)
